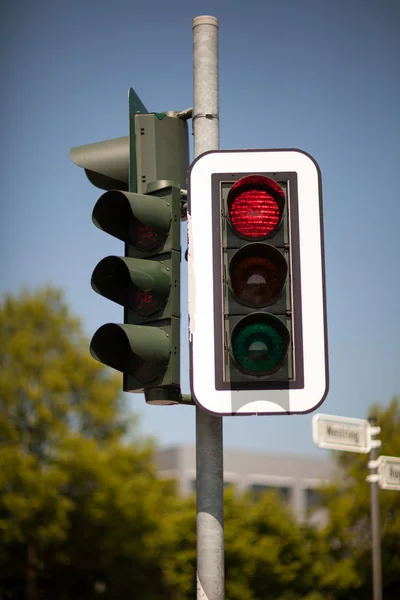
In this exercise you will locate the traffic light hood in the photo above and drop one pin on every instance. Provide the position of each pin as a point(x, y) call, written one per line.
point(106, 163)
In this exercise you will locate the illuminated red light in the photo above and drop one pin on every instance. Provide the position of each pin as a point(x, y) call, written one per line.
point(255, 206)
point(145, 238)
point(143, 303)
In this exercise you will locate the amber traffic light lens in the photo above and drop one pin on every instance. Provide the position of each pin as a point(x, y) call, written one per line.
point(257, 274)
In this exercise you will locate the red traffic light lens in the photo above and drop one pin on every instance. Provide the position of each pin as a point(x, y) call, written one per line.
point(255, 205)
point(144, 238)
point(143, 303)
point(257, 274)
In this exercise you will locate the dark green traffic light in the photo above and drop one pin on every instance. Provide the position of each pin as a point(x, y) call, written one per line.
point(125, 215)
point(143, 175)
point(142, 352)
point(146, 283)
point(144, 286)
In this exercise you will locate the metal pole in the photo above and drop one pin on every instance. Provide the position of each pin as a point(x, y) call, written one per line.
point(375, 513)
point(209, 448)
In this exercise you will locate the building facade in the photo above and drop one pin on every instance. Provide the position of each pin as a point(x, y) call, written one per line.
point(295, 478)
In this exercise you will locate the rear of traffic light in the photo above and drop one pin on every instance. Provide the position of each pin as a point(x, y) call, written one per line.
point(258, 309)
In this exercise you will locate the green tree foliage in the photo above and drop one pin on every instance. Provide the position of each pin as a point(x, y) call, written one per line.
point(348, 531)
point(49, 384)
point(77, 505)
point(268, 554)
point(116, 526)
point(84, 516)
point(49, 387)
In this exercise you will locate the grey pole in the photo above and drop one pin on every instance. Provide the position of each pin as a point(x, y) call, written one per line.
point(375, 513)
point(209, 448)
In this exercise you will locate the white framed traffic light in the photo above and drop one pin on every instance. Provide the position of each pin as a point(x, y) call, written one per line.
point(257, 316)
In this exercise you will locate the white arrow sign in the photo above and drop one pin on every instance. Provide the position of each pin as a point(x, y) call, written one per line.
point(342, 433)
point(389, 472)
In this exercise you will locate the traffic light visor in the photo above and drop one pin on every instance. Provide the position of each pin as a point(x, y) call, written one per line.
point(140, 220)
point(140, 351)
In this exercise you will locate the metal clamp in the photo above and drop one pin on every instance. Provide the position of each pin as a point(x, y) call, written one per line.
point(205, 116)
point(376, 443)
point(374, 478)
point(375, 430)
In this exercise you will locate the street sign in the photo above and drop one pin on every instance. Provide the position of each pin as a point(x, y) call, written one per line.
point(258, 343)
point(341, 433)
point(389, 472)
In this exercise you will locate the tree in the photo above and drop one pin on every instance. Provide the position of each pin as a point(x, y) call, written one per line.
point(269, 555)
point(115, 526)
point(73, 497)
point(49, 383)
point(348, 530)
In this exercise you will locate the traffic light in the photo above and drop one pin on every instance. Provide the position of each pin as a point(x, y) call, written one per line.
point(259, 277)
point(257, 322)
point(145, 214)
point(146, 283)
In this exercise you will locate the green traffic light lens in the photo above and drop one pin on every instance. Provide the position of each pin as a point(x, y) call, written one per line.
point(259, 344)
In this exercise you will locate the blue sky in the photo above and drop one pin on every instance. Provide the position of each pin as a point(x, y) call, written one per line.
point(322, 76)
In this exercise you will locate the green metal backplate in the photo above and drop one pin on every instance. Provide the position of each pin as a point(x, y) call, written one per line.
point(136, 106)
point(162, 150)
point(159, 153)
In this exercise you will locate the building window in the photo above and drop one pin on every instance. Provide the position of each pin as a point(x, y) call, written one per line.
point(228, 484)
point(192, 485)
point(313, 498)
point(257, 489)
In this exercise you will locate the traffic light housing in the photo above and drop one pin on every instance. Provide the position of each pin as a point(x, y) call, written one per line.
point(259, 251)
point(144, 212)
point(256, 283)
point(146, 283)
